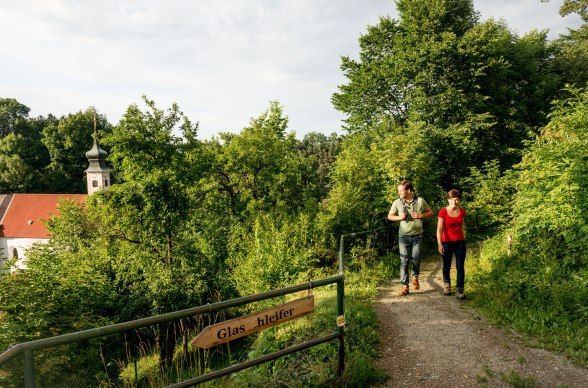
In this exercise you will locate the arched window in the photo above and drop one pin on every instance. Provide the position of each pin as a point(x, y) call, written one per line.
point(14, 254)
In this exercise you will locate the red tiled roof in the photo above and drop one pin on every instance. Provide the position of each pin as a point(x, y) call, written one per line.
point(25, 214)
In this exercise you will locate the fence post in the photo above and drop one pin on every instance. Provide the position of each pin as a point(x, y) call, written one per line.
point(29, 375)
point(341, 328)
point(341, 312)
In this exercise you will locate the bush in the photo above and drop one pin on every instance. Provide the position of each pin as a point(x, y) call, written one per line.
point(542, 287)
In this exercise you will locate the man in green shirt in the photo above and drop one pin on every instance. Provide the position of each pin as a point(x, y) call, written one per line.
point(409, 210)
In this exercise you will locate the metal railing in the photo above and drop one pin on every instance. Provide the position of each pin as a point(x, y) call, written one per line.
point(387, 241)
point(28, 348)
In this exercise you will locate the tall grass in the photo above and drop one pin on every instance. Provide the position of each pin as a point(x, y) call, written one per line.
point(508, 293)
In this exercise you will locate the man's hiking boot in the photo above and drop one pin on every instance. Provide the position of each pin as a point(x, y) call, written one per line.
point(460, 294)
point(415, 283)
point(447, 289)
point(403, 291)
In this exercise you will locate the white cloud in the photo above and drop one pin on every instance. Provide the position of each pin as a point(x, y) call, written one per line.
point(221, 61)
point(524, 15)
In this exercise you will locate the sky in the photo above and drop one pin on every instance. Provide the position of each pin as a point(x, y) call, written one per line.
point(221, 61)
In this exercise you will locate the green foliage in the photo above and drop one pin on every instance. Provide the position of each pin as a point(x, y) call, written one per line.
point(13, 116)
point(23, 156)
point(320, 151)
point(16, 174)
point(542, 288)
point(465, 91)
point(488, 193)
point(145, 142)
point(571, 53)
point(260, 169)
point(406, 153)
point(358, 198)
point(366, 174)
point(517, 381)
point(67, 142)
point(44, 154)
point(274, 254)
point(575, 6)
point(147, 369)
point(59, 292)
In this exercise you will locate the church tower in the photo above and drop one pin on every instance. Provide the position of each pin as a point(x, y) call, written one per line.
point(97, 174)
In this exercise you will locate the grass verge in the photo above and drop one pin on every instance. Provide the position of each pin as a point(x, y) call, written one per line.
point(516, 307)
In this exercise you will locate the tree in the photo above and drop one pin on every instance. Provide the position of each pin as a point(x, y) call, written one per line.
point(62, 290)
point(23, 156)
point(13, 116)
point(572, 55)
point(151, 216)
point(404, 62)
point(17, 174)
point(67, 142)
point(575, 6)
point(358, 199)
point(320, 151)
point(260, 168)
point(475, 89)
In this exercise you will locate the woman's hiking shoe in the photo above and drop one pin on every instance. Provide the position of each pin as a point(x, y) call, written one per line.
point(403, 291)
point(447, 289)
point(415, 283)
point(460, 294)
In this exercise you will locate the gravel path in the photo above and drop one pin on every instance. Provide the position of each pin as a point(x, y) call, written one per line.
point(432, 340)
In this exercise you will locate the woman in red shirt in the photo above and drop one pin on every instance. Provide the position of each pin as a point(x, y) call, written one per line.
point(451, 240)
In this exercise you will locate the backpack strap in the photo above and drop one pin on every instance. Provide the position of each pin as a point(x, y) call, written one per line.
point(415, 201)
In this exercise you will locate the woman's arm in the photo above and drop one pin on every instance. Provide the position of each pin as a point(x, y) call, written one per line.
point(440, 223)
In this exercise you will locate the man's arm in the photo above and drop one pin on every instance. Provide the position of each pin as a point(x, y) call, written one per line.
point(395, 217)
point(393, 214)
point(428, 213)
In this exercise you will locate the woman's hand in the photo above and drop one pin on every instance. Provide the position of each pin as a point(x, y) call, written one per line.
point(440, 248)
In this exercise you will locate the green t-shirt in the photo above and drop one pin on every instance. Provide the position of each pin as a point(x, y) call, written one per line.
point(410, 226)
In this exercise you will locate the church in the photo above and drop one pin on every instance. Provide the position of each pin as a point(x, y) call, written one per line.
point(22, 216)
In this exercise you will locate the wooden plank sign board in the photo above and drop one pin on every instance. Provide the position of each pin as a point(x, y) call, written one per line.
point(240, 327)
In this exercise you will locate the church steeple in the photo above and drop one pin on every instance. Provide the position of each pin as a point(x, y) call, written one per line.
point(97, 174)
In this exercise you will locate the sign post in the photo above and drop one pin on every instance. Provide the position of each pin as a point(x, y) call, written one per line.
point(240, 327)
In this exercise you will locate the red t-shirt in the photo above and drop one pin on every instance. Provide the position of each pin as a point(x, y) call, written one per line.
point(452, 226)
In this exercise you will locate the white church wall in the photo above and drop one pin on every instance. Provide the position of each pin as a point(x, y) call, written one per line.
point(18, 246)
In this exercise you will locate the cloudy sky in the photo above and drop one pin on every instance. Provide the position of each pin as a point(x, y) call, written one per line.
point(222, 61)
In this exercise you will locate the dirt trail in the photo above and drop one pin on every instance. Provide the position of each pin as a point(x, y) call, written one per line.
point(432, 340)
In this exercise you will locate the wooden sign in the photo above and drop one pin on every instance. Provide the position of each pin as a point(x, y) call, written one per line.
point(239, 327)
